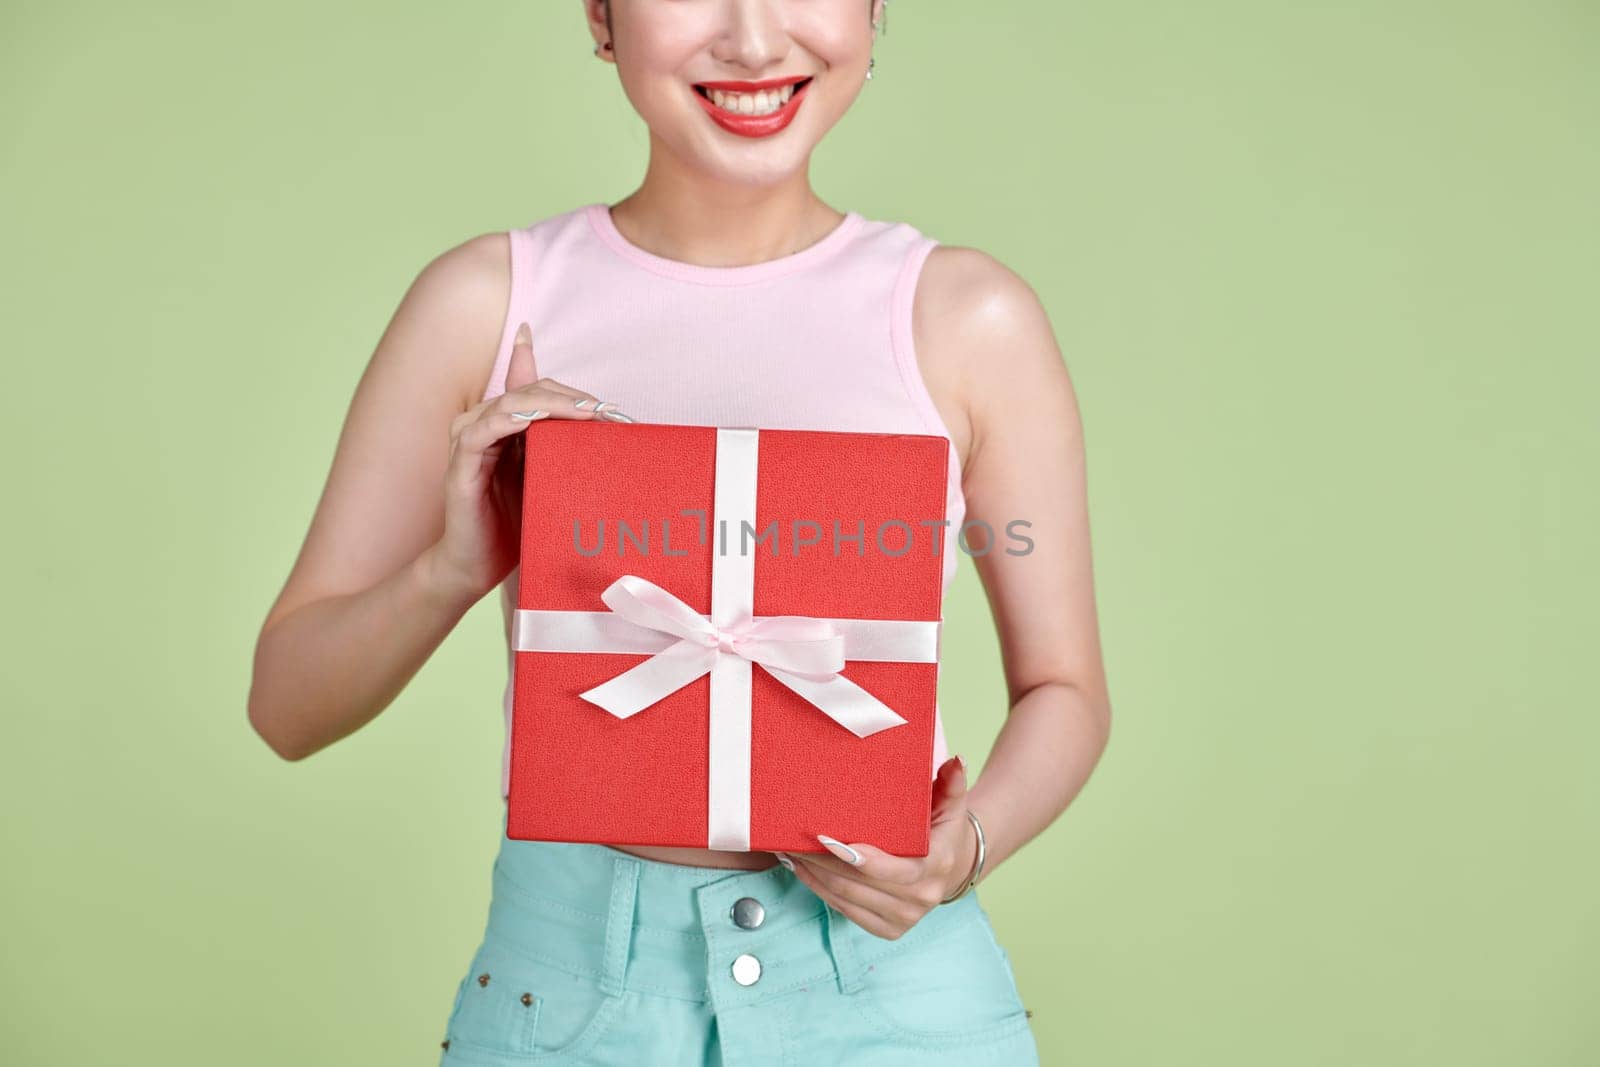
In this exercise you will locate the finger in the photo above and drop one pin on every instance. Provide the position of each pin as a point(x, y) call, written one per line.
point(876, 864)
point(849, 886)
point(549, 385)
point(862, 915)
point(908, 899)
point(873, 924)
point(845, 891)
point(481, 446)
point(949, 788)
point(523, 370)
point(523, 373)
point(467, 418)
point(483, 437)
point(562, 401)
point(550, 398)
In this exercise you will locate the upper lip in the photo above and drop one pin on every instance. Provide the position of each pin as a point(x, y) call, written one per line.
point(754, 87)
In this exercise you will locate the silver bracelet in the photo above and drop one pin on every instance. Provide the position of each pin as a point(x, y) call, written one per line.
point(977, 865)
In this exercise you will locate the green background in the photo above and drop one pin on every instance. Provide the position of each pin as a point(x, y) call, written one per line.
point(1325, 278)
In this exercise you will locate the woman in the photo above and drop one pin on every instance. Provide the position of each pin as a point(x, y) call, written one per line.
point(722, 292)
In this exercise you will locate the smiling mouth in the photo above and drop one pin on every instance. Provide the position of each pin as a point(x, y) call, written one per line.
point(765, 102)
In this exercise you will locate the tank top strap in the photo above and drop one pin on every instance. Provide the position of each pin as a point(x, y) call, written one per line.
point(522, 269)
point(900, 337)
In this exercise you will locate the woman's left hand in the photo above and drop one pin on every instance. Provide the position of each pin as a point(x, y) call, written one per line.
point(887, 894)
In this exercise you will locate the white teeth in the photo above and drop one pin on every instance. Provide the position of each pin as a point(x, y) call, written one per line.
point(764, 102)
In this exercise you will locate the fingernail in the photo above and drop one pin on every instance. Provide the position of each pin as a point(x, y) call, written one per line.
point(963, 764)
point(785, 860)
point(840, 849)
point(616, 416)
point(530, 415)
point(524, 335)
point(584, 404)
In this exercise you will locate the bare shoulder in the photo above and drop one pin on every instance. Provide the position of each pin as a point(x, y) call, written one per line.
point(988, 332)
point(982, 337)
point(453, 314)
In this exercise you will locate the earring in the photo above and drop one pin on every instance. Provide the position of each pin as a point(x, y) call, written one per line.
point(606, 46)
point(883, 28)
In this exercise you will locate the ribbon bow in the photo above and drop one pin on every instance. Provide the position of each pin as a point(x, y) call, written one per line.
point(804, 653)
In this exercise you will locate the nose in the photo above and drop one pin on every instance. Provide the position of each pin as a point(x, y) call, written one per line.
point(757, 36)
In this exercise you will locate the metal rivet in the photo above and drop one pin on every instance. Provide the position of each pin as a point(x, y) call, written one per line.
point(746, 969)
point(1028, 1012)
point(445, 1043)
point(527, 998)
point(748, 913)
point(483, 979)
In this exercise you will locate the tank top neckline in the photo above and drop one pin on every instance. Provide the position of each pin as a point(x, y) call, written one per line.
point(599, 215)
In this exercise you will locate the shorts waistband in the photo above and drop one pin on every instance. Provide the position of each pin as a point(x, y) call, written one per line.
point(673, 930)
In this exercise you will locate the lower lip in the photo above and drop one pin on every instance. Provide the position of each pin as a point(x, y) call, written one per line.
point(754, 125)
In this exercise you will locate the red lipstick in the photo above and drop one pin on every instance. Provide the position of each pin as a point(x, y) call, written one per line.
point(753, 125)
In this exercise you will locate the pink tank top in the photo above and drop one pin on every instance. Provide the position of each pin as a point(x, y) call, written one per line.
point(816, 340)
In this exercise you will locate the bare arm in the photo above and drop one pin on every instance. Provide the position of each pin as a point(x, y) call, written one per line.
point(420, 513)
point(363, 607)
point(1027, 462)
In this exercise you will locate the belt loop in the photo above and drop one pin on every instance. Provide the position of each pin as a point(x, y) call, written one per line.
point(842, 944)
point(619, 925)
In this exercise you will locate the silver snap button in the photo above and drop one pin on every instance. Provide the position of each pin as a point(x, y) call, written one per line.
point(746, 969)
point(748, 913)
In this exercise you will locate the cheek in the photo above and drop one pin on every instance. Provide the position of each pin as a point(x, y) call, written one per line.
point(658, 51)
point(666, 37)
point(835, 31)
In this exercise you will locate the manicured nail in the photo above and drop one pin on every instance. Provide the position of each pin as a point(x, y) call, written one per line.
point(616, 416)
point(610, 408)
point(524, 335)
point(963, 764)
point(785, 860)
point(530, 415)
point(840, 849)
point(584, 404)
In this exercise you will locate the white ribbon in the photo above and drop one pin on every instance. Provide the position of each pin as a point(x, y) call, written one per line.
point(803, 652)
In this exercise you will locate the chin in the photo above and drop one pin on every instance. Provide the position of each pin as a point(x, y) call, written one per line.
point(758, 169)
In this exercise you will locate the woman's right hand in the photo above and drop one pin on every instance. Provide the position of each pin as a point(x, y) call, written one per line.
point(483, 479)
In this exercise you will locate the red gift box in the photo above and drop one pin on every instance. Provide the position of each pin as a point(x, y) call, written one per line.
point(726, 637)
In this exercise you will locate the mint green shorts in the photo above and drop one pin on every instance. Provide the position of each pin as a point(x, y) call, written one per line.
point(593, 956)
